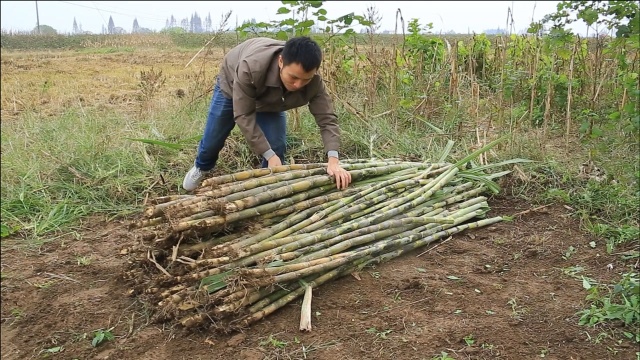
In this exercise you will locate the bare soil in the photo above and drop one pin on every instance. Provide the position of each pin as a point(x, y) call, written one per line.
point(502, 288)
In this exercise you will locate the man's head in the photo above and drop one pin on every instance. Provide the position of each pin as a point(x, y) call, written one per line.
point(299, 61)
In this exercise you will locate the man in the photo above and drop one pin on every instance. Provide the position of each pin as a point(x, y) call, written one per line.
point(258, 81)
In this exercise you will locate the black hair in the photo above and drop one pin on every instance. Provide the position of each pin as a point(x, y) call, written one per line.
point(304, 51)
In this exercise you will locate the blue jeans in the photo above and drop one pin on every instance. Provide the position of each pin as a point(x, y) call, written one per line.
point(220, 123)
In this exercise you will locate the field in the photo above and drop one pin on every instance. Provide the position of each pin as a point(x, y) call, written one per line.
point(91, 130)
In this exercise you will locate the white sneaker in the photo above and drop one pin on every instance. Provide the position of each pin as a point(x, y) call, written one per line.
point(193, 178)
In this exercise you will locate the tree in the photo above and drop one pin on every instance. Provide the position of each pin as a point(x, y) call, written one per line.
point(196, 23)
point(111, 27)
point(76, 30)
point(173, 22)
point(45, 30)
point(208, 24)
point(136, 27)
point(184, 24)
point(621, 16)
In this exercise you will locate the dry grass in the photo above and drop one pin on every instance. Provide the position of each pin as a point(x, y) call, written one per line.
point(50, 83)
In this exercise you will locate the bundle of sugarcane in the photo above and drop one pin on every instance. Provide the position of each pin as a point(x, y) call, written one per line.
point(309, 232)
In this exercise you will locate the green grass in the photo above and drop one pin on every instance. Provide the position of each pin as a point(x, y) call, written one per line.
point(58, 170)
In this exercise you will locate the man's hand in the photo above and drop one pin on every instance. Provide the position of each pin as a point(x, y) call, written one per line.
point(343, 178)
point(274, 161)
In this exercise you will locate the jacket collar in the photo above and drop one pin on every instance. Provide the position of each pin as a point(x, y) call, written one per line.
point(273, 73)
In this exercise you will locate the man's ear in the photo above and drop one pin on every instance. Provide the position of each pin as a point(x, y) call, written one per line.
point(280, 62)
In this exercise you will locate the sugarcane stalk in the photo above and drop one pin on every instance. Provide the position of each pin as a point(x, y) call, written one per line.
point(263, 208)
point(186, 249)
point(359, 253)
point(167, 198)
point(276, 246)
point(305, 313)
point(254, 173)
point(309, 203)
point(338, 244)
point(276, 270)
point(370, 197)
point(282, 229)
point(284, 300)
point(285, 289)
point(427, 240)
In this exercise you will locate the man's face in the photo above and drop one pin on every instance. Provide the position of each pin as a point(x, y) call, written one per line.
point(293, 75)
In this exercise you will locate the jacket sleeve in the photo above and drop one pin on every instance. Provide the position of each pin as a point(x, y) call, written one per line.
point(321, 107)
point(244, 110)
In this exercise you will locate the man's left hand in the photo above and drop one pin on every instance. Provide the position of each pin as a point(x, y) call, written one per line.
point(343, 178)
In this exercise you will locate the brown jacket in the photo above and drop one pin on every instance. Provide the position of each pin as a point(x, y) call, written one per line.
point(251, 77)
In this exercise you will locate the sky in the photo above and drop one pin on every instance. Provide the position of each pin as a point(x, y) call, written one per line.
point(458, 16)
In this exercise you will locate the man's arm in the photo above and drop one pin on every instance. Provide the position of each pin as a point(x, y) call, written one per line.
point(244, 112)
point(321, 106)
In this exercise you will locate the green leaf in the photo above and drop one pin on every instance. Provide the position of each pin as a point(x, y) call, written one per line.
point(322, 18)
point(596, 132)
point(490, 184)
point(283, 10)
point(482, 150)
point(282, 35)
point(54, 350)
point(97, 339)
point(589, 16)
point(315, 4)
point(502, 163)
point(452, 277)
point(585, 283)
point(446, 151)
point(216, 282)
point(4, 230)
point(321, 12)
point(306, 24)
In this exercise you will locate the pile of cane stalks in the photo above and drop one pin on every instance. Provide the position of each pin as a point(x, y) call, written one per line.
point(245, 244)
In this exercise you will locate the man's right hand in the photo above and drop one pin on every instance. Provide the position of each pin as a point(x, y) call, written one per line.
point(274, 161)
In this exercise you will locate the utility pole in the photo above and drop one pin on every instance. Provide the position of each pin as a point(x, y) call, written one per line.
point(37, 18)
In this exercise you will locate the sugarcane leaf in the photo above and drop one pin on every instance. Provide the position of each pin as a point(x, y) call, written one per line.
point(499, 174)
point(502, 163)
point(446, 151)
point(216, 286)
point(174, 146)
point(214, 278)
point(216, 282)
point(435, 128)
point(485, 180)
point(482, 150)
